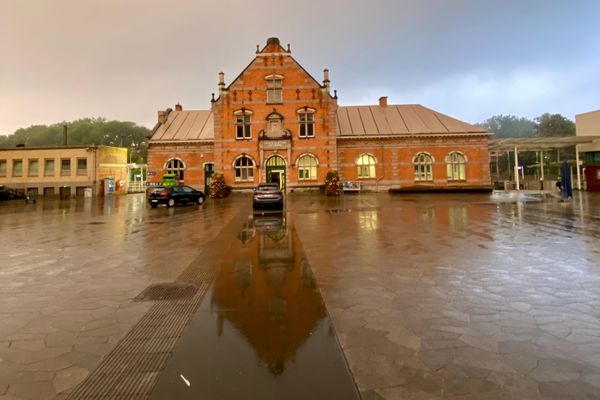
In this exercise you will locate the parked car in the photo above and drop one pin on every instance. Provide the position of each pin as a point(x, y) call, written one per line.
point(267, 195)
point(177, 194)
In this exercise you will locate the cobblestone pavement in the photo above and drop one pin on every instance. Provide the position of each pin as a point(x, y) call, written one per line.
point(434, 297)
point(456, 297)
point(68, 277)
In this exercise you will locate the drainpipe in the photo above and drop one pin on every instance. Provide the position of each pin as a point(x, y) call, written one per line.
point(383, 165)
point(577, 166)
point(517, 180)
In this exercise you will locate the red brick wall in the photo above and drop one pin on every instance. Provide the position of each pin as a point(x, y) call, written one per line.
point(299, 91)
point(394, 160)
point(194, 156)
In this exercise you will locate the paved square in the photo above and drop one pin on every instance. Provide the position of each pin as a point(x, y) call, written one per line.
point(453, 297)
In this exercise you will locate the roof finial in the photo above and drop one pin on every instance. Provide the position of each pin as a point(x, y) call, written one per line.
point(213, 98)
point(288, 49)
point(257, 48)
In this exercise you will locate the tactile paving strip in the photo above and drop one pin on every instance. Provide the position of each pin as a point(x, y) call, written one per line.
point(131, 369)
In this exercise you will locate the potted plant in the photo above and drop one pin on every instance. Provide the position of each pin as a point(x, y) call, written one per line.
point(333, 187)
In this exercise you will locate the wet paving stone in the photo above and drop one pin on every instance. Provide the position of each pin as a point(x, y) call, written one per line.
point(430, 297)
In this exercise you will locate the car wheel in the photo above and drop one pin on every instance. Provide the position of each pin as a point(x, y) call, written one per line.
point(171, 202)
point(200, 200)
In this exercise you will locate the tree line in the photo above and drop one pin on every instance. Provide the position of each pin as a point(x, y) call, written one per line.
point(546, 125)
point(85, 132)
point(99, 131)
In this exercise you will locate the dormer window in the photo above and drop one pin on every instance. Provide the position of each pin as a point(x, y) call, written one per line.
point(243, 124)
point(306, 120)
point(274, 91)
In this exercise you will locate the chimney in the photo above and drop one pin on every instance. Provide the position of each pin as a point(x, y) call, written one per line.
point(383, 101)
point(326, 79)
point(178, 107)
point(221, 82)
point(65, 135)
point(163, 115)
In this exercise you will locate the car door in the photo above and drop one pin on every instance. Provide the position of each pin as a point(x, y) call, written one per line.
point(189, 194)
point(177, 194)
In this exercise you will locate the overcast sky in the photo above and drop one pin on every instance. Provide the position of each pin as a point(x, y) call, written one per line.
point(126, 59)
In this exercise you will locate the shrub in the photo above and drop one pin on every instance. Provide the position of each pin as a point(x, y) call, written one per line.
point(218, 188)
point(333, 187)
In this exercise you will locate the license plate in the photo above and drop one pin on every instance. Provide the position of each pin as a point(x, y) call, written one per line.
point(154, 201)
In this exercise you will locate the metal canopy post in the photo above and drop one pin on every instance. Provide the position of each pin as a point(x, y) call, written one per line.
point(542, 164)
point(517, 180)
point(577, 166)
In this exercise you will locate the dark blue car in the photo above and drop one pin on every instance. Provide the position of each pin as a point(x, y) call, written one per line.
point(178, 194)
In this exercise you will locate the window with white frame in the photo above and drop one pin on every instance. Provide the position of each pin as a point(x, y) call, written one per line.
point(65, 167)
point(455, 165)
point(365, 165)
point(274, 89)
point(243, 124)
point(244, 169)
point(49, 167)
point(423, 164)
point(307, 168)
point(175, 166)
point(306, 120)
point(82, 166)
point(32, 169)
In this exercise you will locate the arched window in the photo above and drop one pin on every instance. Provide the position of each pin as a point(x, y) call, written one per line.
point(274, 91)
point(306, 121)
point(307, 168)
point(455, 165)
point(366, 166)
point(244, 169)
point(243, 124)
point(423, 163)
point(175, 166)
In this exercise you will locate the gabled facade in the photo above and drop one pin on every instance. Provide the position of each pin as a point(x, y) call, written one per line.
point(276, 123)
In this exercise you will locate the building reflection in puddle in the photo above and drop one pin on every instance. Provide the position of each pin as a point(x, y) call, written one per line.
point(266, 290)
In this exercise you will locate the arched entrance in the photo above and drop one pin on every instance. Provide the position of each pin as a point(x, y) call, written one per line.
point(276, 171)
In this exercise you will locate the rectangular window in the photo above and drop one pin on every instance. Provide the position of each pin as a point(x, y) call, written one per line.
point(65, 167)
point(307, 124)
point(82, 166)
point(49, 167)
point(2, 167)
point(242, 122)
point(32, 169)
point(274, 91)
point(17, 168)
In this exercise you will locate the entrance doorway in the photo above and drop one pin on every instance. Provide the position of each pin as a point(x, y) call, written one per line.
point(276, 171)
point(209, 169)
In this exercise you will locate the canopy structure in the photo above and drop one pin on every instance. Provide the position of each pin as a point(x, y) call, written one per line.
point(540, 144)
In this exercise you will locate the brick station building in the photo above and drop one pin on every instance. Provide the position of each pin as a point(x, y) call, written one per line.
point(276, 123)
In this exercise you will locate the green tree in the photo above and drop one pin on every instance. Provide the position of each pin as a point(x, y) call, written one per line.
point(510, 126)
point(505, 126)
point(554, 125)
point(85, 132)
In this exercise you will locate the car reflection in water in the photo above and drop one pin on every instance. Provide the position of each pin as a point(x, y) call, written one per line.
point(272, 290)
point(262, 331)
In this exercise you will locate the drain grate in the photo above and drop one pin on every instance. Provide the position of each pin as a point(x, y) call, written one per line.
point(168, 291)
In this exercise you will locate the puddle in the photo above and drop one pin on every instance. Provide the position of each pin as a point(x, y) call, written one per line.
point(262, 332)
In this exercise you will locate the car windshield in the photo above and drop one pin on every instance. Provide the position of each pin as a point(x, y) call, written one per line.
point(267, 188)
